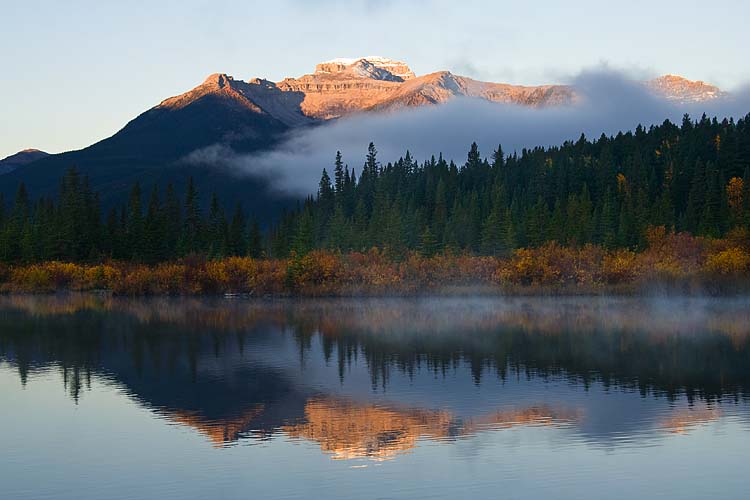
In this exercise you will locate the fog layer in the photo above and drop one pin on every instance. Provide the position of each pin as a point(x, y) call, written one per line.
point(609, 102)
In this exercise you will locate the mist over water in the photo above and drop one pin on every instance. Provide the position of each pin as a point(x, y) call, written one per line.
point(373, 398)
point(610, 101)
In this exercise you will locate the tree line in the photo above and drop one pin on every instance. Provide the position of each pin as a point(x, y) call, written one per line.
point(690, 178)
point(74, 228)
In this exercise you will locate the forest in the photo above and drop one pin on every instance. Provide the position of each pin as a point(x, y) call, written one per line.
point(618, 208)
point(692, 178)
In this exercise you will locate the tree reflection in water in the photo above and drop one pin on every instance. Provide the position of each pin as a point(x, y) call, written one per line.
point(255, 369)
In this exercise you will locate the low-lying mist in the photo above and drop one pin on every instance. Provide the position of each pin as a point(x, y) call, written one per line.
point(610, 101)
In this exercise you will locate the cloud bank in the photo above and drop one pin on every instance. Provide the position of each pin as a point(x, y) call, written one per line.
point(609, 102)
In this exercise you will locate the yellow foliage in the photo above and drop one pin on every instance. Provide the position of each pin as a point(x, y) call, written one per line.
point(735, 195)
point(619, 267)
point(671, 258)
point(732, 261)
point(101, 277)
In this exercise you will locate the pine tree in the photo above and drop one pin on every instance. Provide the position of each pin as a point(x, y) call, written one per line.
point(440, 213)
point(172, 222)
point(191, 231)
point(303, 240)
point(237, 241)
point(338, 173)
point(135, 224)
point(428, 245)
point(609, 221)
point(255, 241)
point(154, 247)
point(217, 229)
point(338, 238)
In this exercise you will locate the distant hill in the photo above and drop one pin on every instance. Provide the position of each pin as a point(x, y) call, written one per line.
point(19, 159)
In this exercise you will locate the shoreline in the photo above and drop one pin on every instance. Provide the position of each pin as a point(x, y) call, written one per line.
point(688, 290)
point(672, 264)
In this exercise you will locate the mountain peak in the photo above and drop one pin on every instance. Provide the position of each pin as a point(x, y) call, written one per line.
point(20, 159)
point(374, 67)
point(681, 89)
point(219, 80)
point(214, 84)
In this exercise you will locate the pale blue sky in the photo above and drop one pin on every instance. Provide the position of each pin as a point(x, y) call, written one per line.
point(75, 72)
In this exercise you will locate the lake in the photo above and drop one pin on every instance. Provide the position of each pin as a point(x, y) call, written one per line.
point(113, 398)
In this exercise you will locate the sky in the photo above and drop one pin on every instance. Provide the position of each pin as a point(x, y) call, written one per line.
point(75, 72)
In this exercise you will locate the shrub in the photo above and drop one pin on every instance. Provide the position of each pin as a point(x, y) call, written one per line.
point(733, 261)
point(101, 277)
point(619, 267)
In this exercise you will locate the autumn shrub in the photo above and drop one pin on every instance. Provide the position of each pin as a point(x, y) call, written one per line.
point(240, 273)
point(65, 275)
point(670, 259)
point(474, 270)
point(738, 237)
point(315, 271)
point(535, 266)
point(213, 277)
point(733, 261)
point(168, 278)
point(137, 280)
point(269, 277)
point(417, 271)
point(619, 267)
point(371, 271)
point(100, 277)
point(589, 265)
point(31, 278)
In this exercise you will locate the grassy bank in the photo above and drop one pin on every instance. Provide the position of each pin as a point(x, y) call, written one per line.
point(674, 262)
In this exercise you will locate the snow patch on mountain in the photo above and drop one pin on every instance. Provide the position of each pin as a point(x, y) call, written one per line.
point(376, 67)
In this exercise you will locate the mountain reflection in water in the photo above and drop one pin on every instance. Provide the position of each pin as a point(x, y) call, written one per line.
point(373, 378)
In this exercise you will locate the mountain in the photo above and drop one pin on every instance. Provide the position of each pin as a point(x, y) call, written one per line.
point(19, 159)
point(440, 87)
point(150, 149)
point(246, 116)
point(679, 89)
point(344, 86)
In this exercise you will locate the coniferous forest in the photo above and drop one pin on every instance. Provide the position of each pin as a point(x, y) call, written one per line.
point(667, 189)
point(691, 178)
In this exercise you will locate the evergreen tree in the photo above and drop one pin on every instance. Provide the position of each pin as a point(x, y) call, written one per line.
point(191, 231)
point(338, 173)
point(237, 240)
point(135, 225)
point(255, 241)
point(154, 244)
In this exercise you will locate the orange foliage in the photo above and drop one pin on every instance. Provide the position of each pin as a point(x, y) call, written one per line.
point(670, 259)
point(735, 195)
point(732, 261)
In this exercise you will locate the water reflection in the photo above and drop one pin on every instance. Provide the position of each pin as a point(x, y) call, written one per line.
point(373, 378)
point(349, 430)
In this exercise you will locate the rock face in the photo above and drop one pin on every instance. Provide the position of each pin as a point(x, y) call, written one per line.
point(679, 89)
point(438, 88)
point(344, 86)
point(341, 87)
point(379, 68)
point(19, 159)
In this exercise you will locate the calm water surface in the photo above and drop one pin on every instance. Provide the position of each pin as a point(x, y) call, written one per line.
point(448, 398)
